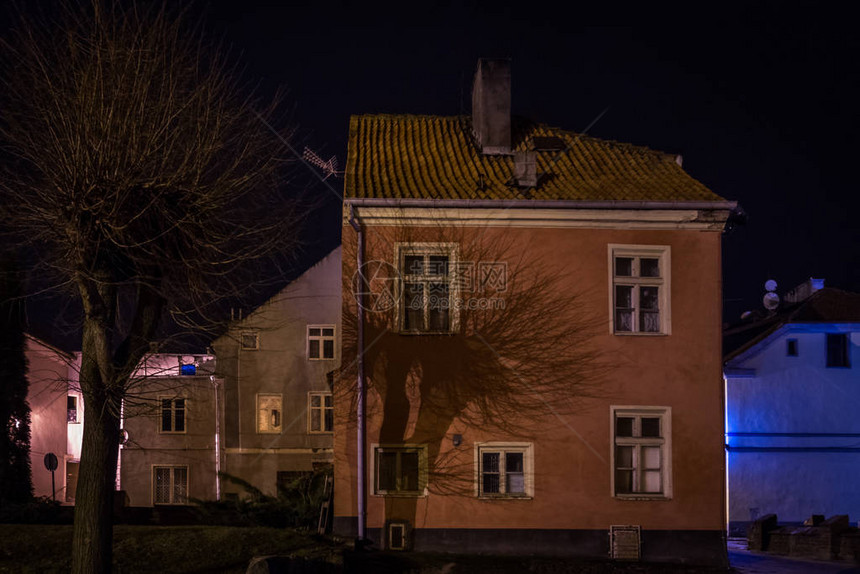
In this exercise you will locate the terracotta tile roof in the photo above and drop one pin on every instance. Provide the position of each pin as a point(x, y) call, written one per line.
point(432, 157)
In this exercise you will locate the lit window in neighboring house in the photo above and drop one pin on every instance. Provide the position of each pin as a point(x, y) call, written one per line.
point(172, 415)
point(250, 340)
point(170, 484)
point(400, 470)
point(641, 452)
point(320, 413)
point(791, 347)
point(426, 287)
point(72, 409)
point(269, 413)
point(640, 288)
point(505, 470)
point(838, 350)
point(320, 342)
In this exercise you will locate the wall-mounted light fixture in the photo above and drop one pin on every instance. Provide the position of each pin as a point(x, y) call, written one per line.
point(458, 438)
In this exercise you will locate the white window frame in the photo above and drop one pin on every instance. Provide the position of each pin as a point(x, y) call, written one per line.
point(526, 448)
point(403, 249)
point(256, 345)
point(77, 409)
point(271, 427)
point(174, 501)
point(173, 409)
point(320, 412)
point(423, 473)
point(664, 254)
point(322, 339)
point(664, 442)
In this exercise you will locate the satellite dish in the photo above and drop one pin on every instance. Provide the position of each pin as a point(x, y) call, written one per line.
point(770, 300)
point(770, 285)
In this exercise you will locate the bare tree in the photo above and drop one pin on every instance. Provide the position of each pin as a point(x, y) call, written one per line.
point(145, 178)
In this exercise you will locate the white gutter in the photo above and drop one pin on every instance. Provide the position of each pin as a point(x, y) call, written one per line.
point(361, 433)
point(535, 204)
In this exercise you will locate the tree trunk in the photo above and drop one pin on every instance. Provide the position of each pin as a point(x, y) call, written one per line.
point(93, 533)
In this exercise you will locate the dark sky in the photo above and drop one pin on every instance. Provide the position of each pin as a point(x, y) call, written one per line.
point(760, 98)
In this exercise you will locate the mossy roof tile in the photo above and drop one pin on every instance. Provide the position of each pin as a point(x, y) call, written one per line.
point(431, 157)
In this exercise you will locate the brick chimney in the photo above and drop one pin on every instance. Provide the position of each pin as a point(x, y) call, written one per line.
point(491, 105)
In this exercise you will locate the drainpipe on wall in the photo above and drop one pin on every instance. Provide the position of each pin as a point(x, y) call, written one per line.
point(215, 384)
point(361, 462)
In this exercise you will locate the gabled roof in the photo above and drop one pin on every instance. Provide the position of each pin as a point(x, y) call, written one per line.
point(827, 305)
point(432, 157)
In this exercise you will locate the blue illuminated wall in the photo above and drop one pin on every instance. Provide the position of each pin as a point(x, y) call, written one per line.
point(793, 426)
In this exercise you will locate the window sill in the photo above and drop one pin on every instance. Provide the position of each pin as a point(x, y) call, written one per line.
point(419, 333)
point(639, 334)
point(171, 432)
point(505, 497)
point(645, 497)
point(321, 358)
point(315, 432)
point(400, 494)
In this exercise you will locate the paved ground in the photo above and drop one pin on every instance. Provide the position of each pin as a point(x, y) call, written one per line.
point(745, 562)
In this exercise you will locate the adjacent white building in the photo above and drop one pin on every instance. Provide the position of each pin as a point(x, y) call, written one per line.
point(792, 398)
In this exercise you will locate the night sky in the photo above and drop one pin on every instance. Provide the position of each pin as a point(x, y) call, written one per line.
point(759, 98)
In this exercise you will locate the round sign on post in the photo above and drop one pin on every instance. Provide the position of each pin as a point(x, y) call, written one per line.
point(51, 464)
point(51, 461)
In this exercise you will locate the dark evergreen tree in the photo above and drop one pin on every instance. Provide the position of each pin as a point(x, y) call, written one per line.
point(16, 483)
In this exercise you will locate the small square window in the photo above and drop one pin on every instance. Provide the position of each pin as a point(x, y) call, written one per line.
point(791, 347)
point(838, 350)
point(504, 470)
point(250, 341)
point(321, 339)
point(400, 470)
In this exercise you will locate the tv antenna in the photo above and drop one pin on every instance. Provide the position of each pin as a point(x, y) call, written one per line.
point(328, 167)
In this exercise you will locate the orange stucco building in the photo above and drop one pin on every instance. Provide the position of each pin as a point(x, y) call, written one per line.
point(534, 319)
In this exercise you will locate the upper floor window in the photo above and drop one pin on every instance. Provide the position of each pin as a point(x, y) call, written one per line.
point(270, 408)
point(320, 342)
point(640, 288)
point(172, 415)
point(72, 409)
point(320, 413)
point(250, 340)
point(641, 451)
point(427, 288)
point(504, 470)
point(838, 350)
